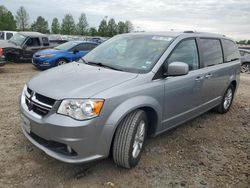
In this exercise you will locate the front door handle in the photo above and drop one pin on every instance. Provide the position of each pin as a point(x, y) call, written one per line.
point(198, 78)
point(209, 75)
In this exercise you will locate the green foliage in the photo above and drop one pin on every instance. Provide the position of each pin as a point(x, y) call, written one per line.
point(121, 27)
point(103, 27)
point(111, 28)
point(68, 25)
point(128, 26)
point(7, 21)
point(107, 28)
point(93, 31)
point(55, 26)
point(82, 25)
point(22, 19)
point(40, 25)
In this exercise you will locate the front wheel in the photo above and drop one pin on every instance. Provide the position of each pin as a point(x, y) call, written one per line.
point(61, 62)
point(227, 100)
point(129, 139)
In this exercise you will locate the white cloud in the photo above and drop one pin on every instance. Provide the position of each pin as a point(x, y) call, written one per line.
point(230, 17)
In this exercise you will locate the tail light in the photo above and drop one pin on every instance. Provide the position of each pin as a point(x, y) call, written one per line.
point(1, 51)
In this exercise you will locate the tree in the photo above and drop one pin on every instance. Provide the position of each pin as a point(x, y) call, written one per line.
point(22, 19)
point(55, 26)
point(128, 26)
point(93, 31)
point(112, 28)
point(40, 25)
point(7, 21)
point(68, 25)
point(121, 27)
point(82, 26)
point(102, 30)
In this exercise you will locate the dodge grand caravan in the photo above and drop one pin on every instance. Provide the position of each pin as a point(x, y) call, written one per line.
point(130, 87)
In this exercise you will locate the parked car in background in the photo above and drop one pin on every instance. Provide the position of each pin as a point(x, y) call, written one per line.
point(22, 46)
point(6, 35)
point(57, 39)
point(129, 87)
point(245, 60)
point(62, 54)
point(98, 40)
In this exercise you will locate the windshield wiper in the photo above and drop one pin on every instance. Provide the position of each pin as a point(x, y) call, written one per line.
point(103, 65)
point(84, 61)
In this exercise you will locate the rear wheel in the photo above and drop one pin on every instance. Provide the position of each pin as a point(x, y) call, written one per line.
point(227, 100)
point(129, 139)
point(61, 62)
point(245, 68)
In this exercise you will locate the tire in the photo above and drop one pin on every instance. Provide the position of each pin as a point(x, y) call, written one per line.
point(61, 61)
point(12, 58)
point(128, 144)
point(227, 100)
point(245, 68)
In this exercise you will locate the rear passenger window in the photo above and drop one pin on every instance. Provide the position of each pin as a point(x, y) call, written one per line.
point(9, 35)
point(231, 52)
point(81, 47)
point(186, 52)
point(212, 52)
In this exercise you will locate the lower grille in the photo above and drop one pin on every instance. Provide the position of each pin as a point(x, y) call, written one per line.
point(52, 145)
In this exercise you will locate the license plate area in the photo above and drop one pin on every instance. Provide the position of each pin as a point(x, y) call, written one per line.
point(26, 123)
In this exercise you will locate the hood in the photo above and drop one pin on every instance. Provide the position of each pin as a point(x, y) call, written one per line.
point(7, 44)
point(77, 80)
point(48, 51)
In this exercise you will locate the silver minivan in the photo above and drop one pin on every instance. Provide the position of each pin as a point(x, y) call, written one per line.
point(129, 87)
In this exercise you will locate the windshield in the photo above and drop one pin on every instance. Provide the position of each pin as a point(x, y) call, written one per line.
point(17, 39)
point(131, 53)
point(66, 46)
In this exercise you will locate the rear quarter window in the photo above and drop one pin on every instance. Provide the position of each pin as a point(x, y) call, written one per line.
point(211, 51)
point(1, 35)
point(231, 51)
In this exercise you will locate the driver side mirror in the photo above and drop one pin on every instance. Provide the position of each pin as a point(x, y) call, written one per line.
point(176, 69)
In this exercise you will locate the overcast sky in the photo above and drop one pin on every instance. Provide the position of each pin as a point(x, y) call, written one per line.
point(229, 17)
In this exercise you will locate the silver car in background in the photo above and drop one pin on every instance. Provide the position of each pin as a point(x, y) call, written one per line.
point(129, 87)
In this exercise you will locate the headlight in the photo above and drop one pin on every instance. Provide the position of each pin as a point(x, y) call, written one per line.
point(47, 55)
point(81, 109)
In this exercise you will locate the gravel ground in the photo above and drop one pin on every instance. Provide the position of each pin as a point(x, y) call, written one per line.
point(210, 151)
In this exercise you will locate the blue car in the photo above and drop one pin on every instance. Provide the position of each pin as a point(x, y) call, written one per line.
point(64, 53)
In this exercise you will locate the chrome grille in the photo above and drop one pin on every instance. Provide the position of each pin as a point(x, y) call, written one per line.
point(39, 104)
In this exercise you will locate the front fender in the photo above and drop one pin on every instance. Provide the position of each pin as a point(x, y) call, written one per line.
point(119, 113)
point(131, 104)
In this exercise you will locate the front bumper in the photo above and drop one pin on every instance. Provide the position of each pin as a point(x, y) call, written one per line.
point(2, 61)
point(87, 139)
point(42, 63)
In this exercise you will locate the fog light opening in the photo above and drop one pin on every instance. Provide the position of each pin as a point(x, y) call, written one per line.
point(69, 149)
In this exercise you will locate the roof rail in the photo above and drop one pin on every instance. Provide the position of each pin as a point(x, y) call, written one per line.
point(188, 32)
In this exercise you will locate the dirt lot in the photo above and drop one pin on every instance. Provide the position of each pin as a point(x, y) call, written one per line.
point(210, 151)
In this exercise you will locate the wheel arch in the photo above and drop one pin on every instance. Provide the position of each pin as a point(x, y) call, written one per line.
point(151, 107)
